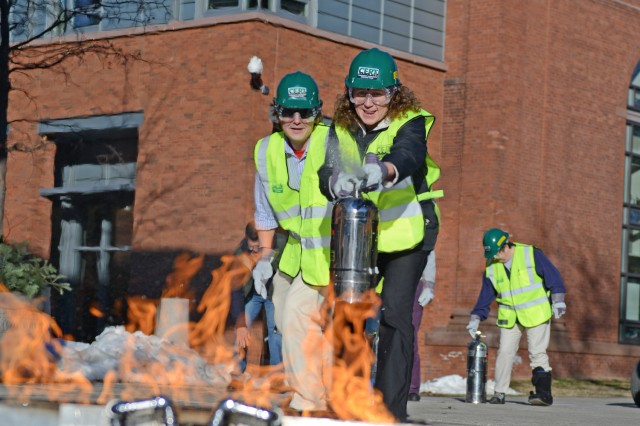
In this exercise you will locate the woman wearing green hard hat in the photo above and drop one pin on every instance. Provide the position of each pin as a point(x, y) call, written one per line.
point(382, 134)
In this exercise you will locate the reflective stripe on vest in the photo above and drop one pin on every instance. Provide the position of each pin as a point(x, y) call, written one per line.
point(433, 174)
point(522, 296)
point(305, 214)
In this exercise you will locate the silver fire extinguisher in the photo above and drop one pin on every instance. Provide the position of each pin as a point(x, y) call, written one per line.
point(354, 236)
point(476, 371)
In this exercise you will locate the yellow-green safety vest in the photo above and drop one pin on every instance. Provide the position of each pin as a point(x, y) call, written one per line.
point(305, 214)
point(401, 222)
point(522, 296)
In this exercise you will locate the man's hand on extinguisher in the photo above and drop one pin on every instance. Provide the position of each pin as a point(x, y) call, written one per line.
point(472, 327)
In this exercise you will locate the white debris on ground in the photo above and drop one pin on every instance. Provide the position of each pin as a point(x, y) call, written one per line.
point(148, 352)
point(455, 385)
point(105, 354)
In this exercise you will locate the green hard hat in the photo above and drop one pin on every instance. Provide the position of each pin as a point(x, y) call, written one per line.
point(372, 69)
point(493, 240)
point(297, 90)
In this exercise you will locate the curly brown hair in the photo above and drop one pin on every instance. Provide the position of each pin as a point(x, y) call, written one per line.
point(402, 101)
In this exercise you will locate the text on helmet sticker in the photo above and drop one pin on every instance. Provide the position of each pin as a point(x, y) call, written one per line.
point(297, 92)
point(368, 73)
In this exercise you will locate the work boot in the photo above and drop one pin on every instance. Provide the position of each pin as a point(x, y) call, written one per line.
point(497, 398)
point(542, 381)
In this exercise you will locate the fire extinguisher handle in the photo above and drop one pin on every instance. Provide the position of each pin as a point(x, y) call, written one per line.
point(362, 188)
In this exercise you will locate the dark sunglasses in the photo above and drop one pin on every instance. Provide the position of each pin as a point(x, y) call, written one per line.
point(290, 112)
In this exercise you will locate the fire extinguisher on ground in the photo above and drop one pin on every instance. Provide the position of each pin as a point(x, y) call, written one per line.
point(476, 371)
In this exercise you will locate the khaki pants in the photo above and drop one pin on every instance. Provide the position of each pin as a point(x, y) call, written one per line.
point(306, 353)
point(537, 341)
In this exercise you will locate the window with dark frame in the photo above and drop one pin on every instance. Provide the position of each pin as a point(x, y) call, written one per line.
point(87, 13)
point(294, 6)
point(222, 4)
point(92, 227)
point(629, 331)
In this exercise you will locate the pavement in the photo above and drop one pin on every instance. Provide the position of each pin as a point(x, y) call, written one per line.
point(565, 411)
point(430, 410)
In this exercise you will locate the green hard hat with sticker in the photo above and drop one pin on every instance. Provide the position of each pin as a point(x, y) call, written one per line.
point(372, 69)
point(297, 90)
point(493, 240)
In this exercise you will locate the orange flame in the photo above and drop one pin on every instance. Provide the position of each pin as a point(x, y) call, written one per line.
point(352, 395)
point(96, 311)
point(205, 336)
point(177, 282)
point(27, 352)
point(217, 298)
point(141, 313)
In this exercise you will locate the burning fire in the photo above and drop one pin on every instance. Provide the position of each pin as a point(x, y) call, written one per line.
point(141, 313)
point(30, 352)
point(352, 395)
point(184, 268)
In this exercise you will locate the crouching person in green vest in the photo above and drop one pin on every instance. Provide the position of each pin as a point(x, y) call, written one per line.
point(287, 195)
point(529, 290)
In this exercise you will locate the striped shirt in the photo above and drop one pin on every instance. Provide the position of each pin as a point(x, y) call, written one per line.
point(264, 216)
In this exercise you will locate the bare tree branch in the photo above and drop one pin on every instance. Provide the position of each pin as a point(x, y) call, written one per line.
point(22, 22)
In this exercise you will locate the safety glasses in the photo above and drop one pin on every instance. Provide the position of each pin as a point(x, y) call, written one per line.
point(378, 97)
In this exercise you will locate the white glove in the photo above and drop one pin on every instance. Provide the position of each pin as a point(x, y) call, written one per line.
point(344, 184)
point(559, 309)
point(472, 327)
point(427, 292)
point(260, 288)
point(261, 274)
point(374, 172)
point(557, 305)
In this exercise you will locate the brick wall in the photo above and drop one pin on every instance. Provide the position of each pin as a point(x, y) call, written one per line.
point(201, 121)
point(533, 141)
point(529, 135)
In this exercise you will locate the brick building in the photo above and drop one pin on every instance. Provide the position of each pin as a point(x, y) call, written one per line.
point(538, 125)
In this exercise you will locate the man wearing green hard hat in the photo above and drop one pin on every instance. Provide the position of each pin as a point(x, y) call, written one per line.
point(287, 196)
point(529, 291)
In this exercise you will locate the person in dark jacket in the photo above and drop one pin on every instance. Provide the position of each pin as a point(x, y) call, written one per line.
point(378, 144)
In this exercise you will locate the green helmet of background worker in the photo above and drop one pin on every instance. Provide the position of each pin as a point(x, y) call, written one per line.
point(297, 90)
point(493, 241)
point(372, 69)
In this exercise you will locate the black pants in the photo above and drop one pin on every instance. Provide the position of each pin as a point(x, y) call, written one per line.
point(401, 272)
